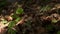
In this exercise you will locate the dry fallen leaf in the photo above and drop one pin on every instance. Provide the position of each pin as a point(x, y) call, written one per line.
point(9, 18)
point(57, 6)
point(2, 31)
point(2, 28)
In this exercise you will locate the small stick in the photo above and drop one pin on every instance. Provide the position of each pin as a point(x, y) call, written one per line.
point(19, 22)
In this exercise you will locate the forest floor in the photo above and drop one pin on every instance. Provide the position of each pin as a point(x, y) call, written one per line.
point(36, 17)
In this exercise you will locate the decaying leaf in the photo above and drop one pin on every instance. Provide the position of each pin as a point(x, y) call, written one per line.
point(9, 18)
point(54, 18)
point(54, 21)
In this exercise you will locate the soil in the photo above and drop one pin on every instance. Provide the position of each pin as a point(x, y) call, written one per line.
point(36, 21)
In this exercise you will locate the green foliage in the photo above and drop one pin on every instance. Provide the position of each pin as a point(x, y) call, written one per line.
point(16, 19)
point(10, 26)
point(15, 16)
point(12, 23)
point(19, 11)
point(11, 31)
point(58, 32)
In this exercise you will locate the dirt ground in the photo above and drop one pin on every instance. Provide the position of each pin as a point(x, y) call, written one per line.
point(40, 16)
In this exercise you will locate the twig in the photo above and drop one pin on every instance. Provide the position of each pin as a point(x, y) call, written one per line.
point(19, 22)
point(57, 6)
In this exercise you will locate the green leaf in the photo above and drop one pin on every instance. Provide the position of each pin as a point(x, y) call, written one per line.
point(54, 21)
point(11, 24)
point(15, 16)
point(19, 11)
point(17, 19)
point(11, 31)
point(58, 32)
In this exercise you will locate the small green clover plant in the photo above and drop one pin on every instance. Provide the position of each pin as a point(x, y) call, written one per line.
point(16, 19)
point(19, 11)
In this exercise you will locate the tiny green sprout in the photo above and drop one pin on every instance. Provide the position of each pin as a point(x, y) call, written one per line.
point(19, 11)
point(17, 19)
